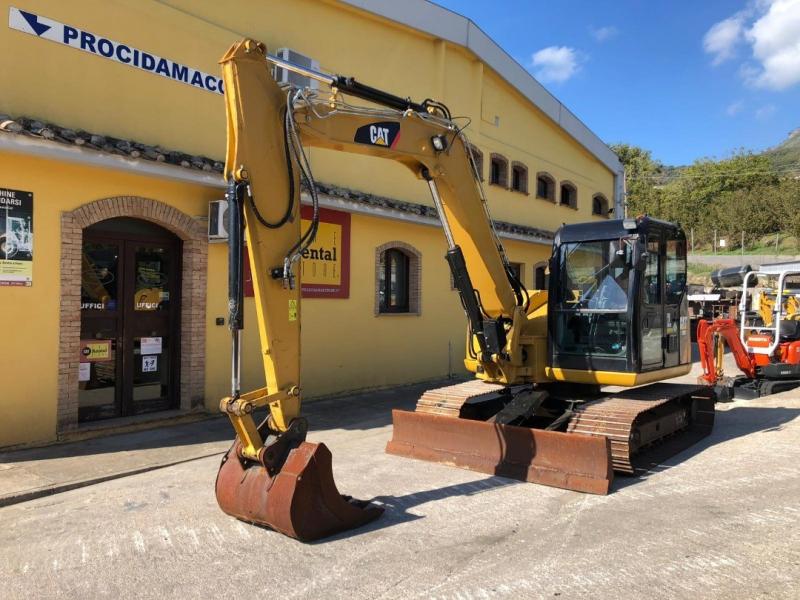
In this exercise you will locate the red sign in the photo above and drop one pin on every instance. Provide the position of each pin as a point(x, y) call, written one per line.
point(325, 266)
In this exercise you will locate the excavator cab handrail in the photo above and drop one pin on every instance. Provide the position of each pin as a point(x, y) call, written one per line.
point(775, 328)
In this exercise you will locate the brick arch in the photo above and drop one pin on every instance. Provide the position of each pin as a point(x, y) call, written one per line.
point(414, 276)
point(193, 295)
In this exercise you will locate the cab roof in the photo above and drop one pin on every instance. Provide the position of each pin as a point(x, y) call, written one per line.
point(611, 229)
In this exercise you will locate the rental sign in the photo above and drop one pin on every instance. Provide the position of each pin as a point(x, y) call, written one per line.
point(48, 29)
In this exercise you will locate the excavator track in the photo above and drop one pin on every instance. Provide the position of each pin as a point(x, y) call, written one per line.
point(449, 400)
point(655, 421)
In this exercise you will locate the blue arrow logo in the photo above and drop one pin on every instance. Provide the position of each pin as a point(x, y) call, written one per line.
point(33, 21)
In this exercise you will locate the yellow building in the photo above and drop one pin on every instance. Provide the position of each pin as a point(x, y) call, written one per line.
point(112, 127)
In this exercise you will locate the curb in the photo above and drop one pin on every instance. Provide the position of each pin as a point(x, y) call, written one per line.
point(18, 498)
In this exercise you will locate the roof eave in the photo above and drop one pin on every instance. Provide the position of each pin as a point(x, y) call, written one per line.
point(439, 22)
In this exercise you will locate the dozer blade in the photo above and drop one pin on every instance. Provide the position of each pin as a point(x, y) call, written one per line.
point(300, 500)
point(565, 460)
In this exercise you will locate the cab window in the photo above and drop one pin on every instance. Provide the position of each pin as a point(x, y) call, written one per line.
point(652, 274)
point(675, 283)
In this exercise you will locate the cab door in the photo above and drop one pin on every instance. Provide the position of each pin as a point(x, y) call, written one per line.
point(674, 292)
point(651, 316)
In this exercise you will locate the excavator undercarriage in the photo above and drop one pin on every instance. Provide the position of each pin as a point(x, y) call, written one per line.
point(537, 436)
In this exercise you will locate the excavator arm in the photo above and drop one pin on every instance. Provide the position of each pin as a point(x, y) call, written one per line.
point(710, 337)
point(267, 131)
point(266, 164)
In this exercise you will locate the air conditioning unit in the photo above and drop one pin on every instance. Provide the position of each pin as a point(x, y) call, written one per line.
point(217, 220)
point(286, 77)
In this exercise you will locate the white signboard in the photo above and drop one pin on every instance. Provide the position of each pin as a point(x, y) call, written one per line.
point(84, 371)
point(149, 364)
point(150, 345)
point(80, 39)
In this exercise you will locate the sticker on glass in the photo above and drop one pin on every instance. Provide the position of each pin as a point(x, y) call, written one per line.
point(149, 364)
point(150, 345)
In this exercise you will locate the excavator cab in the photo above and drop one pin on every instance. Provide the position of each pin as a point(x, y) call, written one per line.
point(618, 312)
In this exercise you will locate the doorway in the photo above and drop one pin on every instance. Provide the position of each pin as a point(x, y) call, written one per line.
point(130, 319)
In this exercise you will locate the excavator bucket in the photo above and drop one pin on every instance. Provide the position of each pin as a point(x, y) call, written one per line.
point(565, 460)
point(299, 500)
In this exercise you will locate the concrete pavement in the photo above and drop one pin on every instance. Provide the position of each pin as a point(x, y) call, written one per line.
point(720, 520)
point(36, 472)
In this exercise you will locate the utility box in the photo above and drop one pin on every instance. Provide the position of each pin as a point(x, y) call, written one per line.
point(217, 220)
point(295, 80)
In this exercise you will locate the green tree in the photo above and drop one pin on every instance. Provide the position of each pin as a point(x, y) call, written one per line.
point(729, 196)
point(786, 198)
point(642, 176)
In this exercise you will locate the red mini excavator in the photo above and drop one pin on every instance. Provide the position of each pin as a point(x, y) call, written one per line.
point(766, 341)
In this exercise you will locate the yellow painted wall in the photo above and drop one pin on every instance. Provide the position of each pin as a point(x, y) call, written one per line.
point(345, 345)
point(29, 316)
point(103, 96)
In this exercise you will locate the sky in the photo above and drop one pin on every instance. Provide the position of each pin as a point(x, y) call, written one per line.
point(685, 79)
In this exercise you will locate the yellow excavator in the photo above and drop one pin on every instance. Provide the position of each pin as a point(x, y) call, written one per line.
point(615, 314)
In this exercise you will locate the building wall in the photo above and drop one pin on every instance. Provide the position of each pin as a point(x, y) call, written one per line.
point(104, 96)
point(345, 345)
point(30, 315)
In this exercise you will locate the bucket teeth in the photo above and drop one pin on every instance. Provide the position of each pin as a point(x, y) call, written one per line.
point(301, 500)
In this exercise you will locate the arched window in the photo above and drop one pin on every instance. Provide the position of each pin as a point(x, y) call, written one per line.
point(545, 186)
point(600, 205)
point(519, 177)
point(498, 174)
point(397, 279)
point(517, 269)
point(540, 276)
point(569, 194)
point(477, 157)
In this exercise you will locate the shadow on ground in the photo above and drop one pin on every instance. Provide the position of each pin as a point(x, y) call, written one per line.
point(729, 424)
point(397, 507)
point(358, 412)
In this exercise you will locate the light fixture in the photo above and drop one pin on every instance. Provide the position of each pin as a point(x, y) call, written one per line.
point(439, 143)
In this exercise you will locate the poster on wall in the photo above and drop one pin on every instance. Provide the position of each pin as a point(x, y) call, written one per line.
point(325, 266)
point(16, 237)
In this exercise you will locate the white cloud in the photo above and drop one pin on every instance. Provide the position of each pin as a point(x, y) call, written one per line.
point(775, 38)
point(556, 63)
point(601, 34)
point(734, 108)
point(772, 30)
point(765, 112)
point(723, 38)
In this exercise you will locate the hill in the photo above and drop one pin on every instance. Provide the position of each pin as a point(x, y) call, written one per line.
point(786, 155)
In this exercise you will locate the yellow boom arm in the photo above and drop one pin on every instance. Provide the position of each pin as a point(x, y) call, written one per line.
point(264, 161)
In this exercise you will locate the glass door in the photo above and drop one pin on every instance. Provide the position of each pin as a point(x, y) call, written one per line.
point(130, 296)
point(100, 367)
point(674, 289)
point(149, 327)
